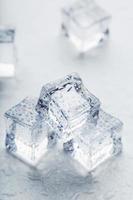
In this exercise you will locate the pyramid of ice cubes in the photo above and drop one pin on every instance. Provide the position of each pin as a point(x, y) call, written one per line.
point(66, 113)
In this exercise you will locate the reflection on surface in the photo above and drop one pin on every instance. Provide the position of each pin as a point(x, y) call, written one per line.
point(55, 179)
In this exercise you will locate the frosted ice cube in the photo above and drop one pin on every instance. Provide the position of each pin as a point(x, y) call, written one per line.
point(85, 24)
point(26, 133)
point(94, 144)
point(68, 104)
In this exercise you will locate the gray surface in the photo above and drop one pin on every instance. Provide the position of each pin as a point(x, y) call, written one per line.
point(43, 56)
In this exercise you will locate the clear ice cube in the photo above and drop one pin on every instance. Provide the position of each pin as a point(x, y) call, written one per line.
point(85, 24)
point(7, 52)
point(26, 133)
point(95, 144)
point(68, 104)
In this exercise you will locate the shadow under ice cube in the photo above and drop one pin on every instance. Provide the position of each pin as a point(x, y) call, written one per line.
point(95, 144)
point(26, 133)
point(68, 104)
point(85, 24)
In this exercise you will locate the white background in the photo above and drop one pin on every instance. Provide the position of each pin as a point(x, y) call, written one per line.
point(42, 56)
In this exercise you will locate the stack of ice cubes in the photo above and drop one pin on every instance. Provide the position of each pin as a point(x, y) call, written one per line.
point(68, 116)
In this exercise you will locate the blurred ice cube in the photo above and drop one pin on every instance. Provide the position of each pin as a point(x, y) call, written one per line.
point(7, 52)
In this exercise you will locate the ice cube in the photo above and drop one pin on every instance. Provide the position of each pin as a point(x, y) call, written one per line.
point(85, 23)
point(95, 144)
point(68, 104)
point(26, 133)
point(7, 52)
